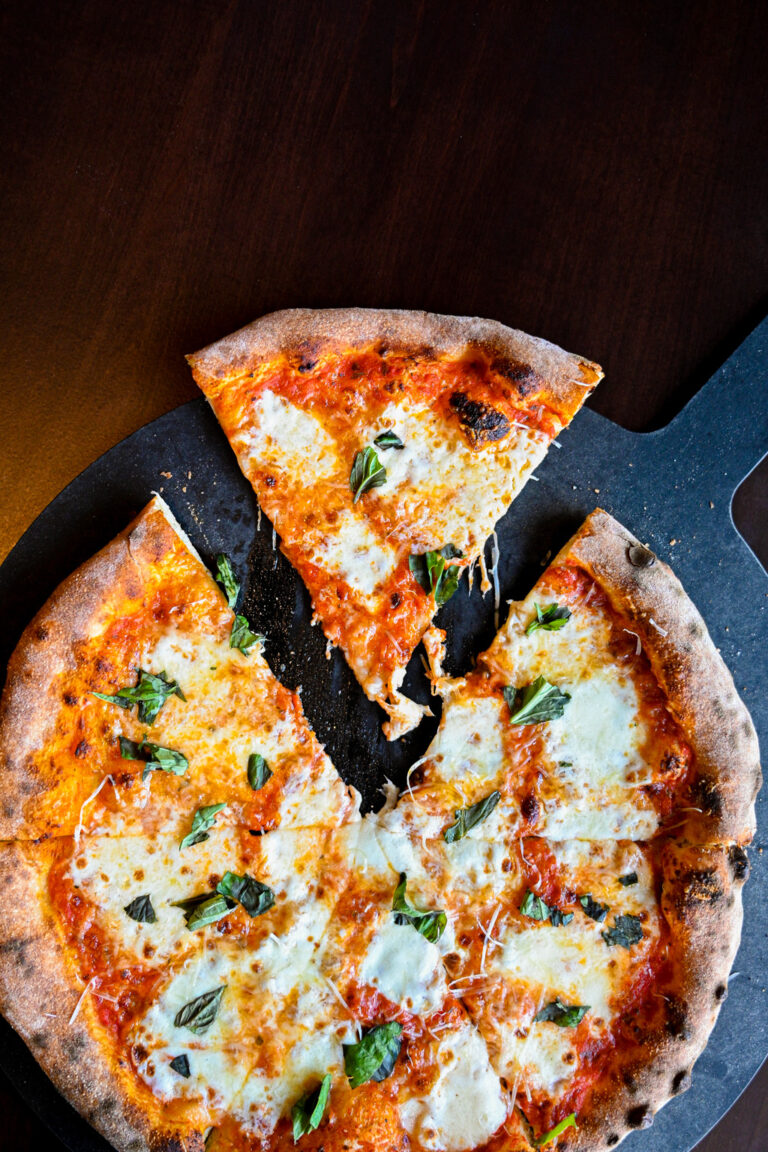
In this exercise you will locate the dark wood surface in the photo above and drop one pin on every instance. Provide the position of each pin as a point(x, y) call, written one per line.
point(594, 173)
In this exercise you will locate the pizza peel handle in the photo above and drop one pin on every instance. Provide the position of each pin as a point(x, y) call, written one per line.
point(724, 427)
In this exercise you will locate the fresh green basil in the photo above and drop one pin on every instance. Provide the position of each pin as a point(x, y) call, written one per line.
point(558, 1013)
point(141, 910)
point(255, 897)
point(537, 909)
point(225, 577)
point(258, 771)
point(155, 757)
point(430, 570)
point(180, 1064)
point(242, 637)
point(553, 618)
point(628, 880)
point(626, 931)
point(375, 1056)
point(367, 473)
point(536, 702)
point(204, 909)
point(563, 1126)
point(200, 1013)
point(150, 693)
point(431, 925)
point(202, 822)
point(468, 818)
point(388, 439)
point(593, 908)
point(308, 1112)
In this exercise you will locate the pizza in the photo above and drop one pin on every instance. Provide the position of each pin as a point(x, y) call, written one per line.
point(384, 447)
point(206, 944)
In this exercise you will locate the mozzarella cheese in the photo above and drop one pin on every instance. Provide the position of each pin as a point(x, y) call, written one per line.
point(284, 436)
point(405, 968)
point(465, 1105)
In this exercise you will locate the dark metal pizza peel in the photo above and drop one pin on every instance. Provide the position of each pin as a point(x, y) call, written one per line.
point(673, 488)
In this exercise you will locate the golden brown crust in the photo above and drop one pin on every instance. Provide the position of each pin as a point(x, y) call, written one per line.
point(701, 903)
point(562, 376)
point(39, 991)
point(30, 706)
point(692, 673)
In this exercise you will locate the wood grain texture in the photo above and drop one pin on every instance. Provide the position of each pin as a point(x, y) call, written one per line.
point(593, 173)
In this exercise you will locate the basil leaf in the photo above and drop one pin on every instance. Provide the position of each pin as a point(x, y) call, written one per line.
point(367, 472)
point(204, 909)
point(628, 880)
point(550, 620)
point(200, 1013)
point(155, 757)
point(558, 1013)
point(202, 821)
point(258, 771)
point(548, 1137)
point(373, 1057)
point(626, 931)
point(255, 897)
point(180, 1064)
point(431, 925)
point(388, 439)
point(534, 907)
point(557, 918)
point(225, 577)
point(593, 909)
point(468, 818)
point(141, 910)
point(307, 1112)
point(536, 702)
point(242, 637)
point(150, 693)
point(429, 569)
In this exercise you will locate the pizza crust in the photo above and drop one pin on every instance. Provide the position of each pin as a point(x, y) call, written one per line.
point(29, 710)
point(690, 670)
point(562, 376)
point(39, 991)
point(701, 902)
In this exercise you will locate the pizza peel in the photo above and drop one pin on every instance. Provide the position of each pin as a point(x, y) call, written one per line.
point(672, 488)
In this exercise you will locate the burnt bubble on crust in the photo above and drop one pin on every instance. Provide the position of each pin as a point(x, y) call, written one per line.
point(481, 423)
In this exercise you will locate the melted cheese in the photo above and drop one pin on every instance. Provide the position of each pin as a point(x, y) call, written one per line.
point(469, 741)
point(465, 1105)
point(284, 436)
point(405, 968)
point(350, 549)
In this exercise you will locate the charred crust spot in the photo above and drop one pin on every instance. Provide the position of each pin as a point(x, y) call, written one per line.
point(671, 763)
point(270, 481)
point(721, 992)
point(612, 1140)
point(639, 556)
point(42, 632)
point(699, 887)
point(707, 796)
point(629, 1081)
point(39, 1039)
point(70, 699)
point(73, 1046)
point(482, 423)
point(529, 808)
point(681, 1081)
point(108, 1104)
point(395, 599)
point(82, 749)
point(739, 861)
point(640, 1116)
point(694, 629)
point(306, 365)
point(521, 376)
point(677, 1020)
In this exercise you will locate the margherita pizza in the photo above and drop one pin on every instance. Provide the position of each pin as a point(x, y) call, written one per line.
point(203, 942)
point(384, 446)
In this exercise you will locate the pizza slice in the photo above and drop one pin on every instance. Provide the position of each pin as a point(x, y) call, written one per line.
point(593, 971)
point(602, 710)
point(138, 701)
point(384, 447)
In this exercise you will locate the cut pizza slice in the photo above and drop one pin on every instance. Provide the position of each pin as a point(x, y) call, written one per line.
point(594, 972)
point(384, 447)
point(602, 710)
point(137, 701)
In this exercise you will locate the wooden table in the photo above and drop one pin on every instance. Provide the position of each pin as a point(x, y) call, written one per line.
point(593, 173)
